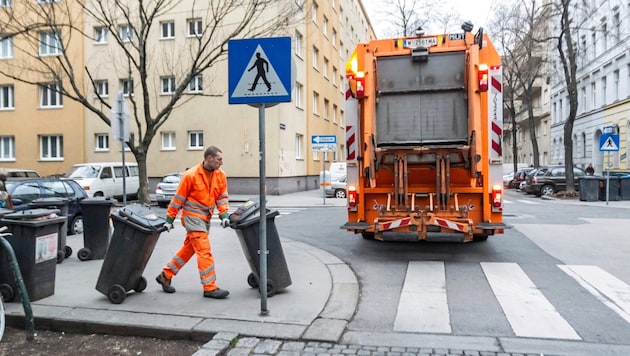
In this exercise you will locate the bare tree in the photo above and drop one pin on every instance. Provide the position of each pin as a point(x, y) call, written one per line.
point(405, 16)
point(68, 23)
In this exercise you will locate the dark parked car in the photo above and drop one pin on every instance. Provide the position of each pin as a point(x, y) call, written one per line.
point(166, 188)
point(551, 179)
point(519, 177)
point(24, 191)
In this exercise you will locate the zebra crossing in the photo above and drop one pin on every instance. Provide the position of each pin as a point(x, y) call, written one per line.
point(423, 304)
point(282, 211)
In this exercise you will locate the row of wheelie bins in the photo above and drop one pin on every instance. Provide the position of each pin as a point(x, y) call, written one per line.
point(136, 228)
point(594, 188)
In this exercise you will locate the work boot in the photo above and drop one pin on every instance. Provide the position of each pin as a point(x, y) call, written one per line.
point(216, 294)
point(165, 283)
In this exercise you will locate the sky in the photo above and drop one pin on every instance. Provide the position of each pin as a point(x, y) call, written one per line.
point(478, 11)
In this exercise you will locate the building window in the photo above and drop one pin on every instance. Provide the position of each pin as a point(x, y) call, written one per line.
point(50, 147)
point(593, 95)
point(314, 9)
point(583, 99)
point(195, 140)
point(6, 3)
point(168, 29)
point(126, 33)
point(50, 95)
point(341, 117)
point(298, 95)
point(604, 88)
point(616, 27)
point(298, 44)
point(194, 27)
point(101, 141)
point(315, 103)
point(6, 48)
point(49, 43)
point(315, 56)
point(168, 141)
point(325, 69)
point(6, 97)
point(100, 34)
point(102, 88)
point(334, 38)
point(196, 84)
point(325, 26)
point(299, 144)
point(334, 113)
point(604, 37)
point(616, 88)
point(168, 85)
point(7, 148)
point(126, 86)
point(326, 108)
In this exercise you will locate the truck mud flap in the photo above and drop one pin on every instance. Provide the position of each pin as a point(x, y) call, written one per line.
point(492, 226)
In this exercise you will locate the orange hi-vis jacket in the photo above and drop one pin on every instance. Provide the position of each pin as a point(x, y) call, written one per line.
point(198, 193)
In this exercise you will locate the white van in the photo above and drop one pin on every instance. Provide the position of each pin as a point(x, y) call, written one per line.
point(336, 171)
point(105, 179)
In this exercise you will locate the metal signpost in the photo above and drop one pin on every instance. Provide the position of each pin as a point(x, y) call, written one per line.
point(120, 131)
point(324, 143)
point(259, 74)
point(608, 142)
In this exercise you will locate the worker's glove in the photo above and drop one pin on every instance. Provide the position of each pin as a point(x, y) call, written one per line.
point(225, 221)
point(169, 224)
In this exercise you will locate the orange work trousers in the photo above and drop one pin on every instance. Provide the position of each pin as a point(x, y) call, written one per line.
point(196, 242)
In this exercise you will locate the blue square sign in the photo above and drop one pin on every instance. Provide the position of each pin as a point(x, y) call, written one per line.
point(259, 70)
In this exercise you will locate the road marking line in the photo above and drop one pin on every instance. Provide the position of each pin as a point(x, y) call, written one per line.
point(423, 306)
point(529, 202)
point(610, 290)
point(527, 310)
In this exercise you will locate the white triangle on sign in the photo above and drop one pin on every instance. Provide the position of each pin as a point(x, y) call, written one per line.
point(245, 84)
point(609, 144)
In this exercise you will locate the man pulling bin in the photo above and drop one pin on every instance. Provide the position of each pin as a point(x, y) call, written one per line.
point(201, 189)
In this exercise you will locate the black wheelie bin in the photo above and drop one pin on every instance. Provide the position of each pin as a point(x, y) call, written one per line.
point(136, 231)
point(246, 221)
point(64, 251)
point(95, 228)
point(34, 241)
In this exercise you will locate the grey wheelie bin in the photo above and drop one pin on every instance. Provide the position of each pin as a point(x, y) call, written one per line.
point(246, 221)
point(624, 188)
point(95, 228)
point(136, 231)
point(589, 188)
point(34, 241)
point(64, 251)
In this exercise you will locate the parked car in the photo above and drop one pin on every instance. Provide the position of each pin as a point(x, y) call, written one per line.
point(519, 177)
point(166, 188)
point(337, 188)
point(24, 191)
point(21, 173)
point(105, 179)
point(551, 179)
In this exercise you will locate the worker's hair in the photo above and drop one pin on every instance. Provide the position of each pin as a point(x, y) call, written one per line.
point(211, 151)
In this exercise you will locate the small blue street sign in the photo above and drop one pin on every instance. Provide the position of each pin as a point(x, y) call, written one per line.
point(259, 70)
point(609, 142)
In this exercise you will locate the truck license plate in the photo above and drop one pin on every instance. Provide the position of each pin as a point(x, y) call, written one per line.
point(421, 42)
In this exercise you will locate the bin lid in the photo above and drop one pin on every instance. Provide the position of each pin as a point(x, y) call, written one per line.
point(244, 210)
point(141, 215)
point(32, 214)
point(253, 218)
point(4, 211)
point(97, 201)
point(49, 201)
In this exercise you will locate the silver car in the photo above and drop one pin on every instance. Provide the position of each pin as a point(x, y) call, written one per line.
point(337, 188)
point(166, 188)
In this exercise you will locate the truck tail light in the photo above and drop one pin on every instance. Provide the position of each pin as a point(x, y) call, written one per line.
point(360, 85)
point(352, 196)
point(483, 77)
point(497, 196)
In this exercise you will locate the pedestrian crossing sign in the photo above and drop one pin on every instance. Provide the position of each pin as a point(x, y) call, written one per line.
point(609, 142)
point(259, 70)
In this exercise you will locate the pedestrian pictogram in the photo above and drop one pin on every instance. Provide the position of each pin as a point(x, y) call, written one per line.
point(259, 70)
point(609, 142)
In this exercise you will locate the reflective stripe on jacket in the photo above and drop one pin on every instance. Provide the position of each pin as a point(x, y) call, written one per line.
point(198, 193)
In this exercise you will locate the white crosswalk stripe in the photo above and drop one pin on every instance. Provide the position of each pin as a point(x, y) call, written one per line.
point(283, 211)
point(423, 304)
point(523, 201)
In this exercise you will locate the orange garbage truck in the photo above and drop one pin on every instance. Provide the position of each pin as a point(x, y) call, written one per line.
point(424, 119)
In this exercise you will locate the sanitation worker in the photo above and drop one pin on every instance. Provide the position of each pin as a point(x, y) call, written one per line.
point(201, 189)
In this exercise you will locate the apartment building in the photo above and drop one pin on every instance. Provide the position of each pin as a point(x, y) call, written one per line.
point(39, 128)
point(603, 42)
point(323, 35)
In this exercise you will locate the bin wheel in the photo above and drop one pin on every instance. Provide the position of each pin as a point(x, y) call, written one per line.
point(84, 254)
point(68, 251)
point(7, 292)
point(252, 280)
point(271, 289)
point(141, 285)
point(61, 255)
point(116, 294)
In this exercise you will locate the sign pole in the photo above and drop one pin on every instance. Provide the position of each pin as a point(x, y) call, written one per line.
point(262, 251)
point(607, 177)
point(324, 176)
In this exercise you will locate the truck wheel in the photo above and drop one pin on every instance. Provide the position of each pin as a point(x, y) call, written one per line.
point(480, 237)
point(547, 190)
